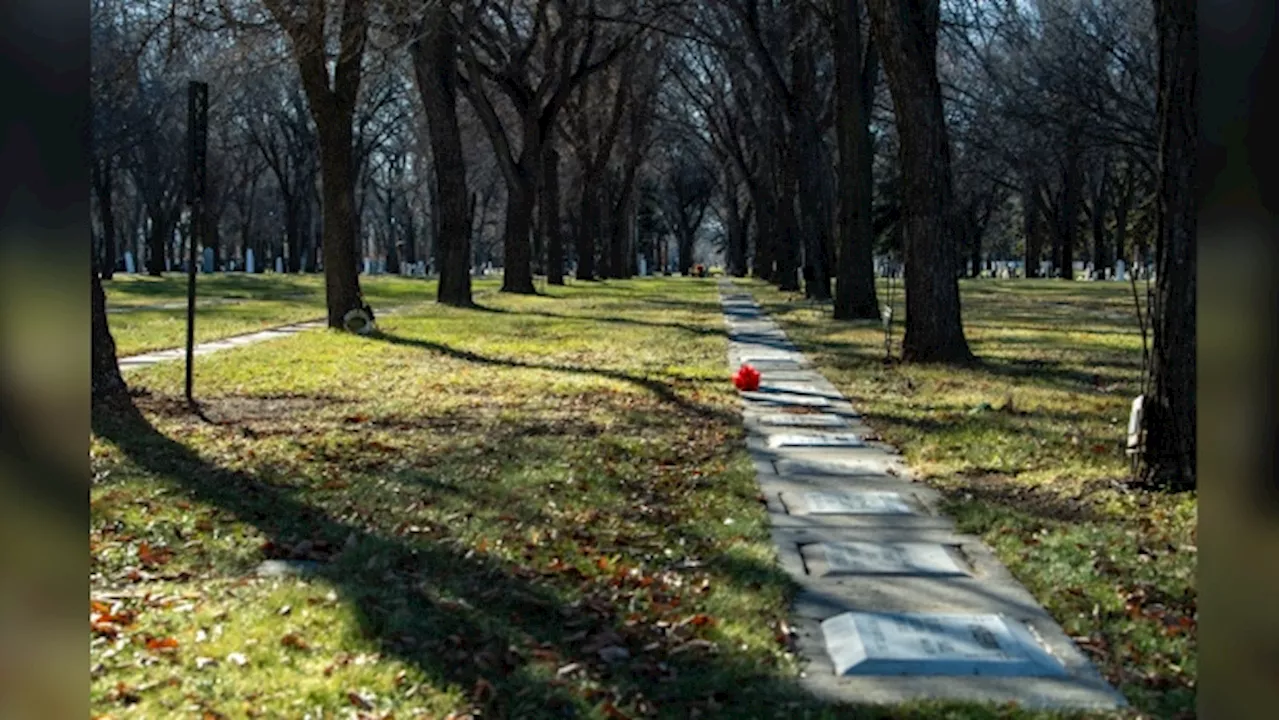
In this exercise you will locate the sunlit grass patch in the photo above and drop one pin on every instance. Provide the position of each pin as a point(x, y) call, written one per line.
point(148, 313)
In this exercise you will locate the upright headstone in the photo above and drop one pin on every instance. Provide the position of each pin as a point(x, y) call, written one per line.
point(1120, 271)
point(129, 267)
point(249, 267)
point(1046, 267)
point(644, 265)
point(279, 264)
point(366, 266)
point(208, 260)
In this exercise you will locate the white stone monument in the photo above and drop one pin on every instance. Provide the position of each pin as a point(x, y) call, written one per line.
point(249, 267)
point(1120, 276)
point(865, 643)
point(208, 260)
point(129, 266)
point(279, 264)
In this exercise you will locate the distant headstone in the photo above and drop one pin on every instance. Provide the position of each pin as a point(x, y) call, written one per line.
point(816, 440)
point(1046, 267)
point(803, 420)
point(864, 643)
point(1120, 271)
point(129, 266)
point(865, 558)
point(249, 267)
point(643, 265)
point(856, 503)
point(279, 264)
point(208, 260)
point(366, 266)
point(287, 568)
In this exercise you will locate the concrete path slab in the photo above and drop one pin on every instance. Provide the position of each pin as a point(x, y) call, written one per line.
point(894, 605)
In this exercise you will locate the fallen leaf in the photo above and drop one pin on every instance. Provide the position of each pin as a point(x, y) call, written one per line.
point(161, 644)
point(295, 641)
point(356, 699)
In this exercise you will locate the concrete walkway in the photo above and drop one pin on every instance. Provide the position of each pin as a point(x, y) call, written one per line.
point(275, 333)
point(894, 604)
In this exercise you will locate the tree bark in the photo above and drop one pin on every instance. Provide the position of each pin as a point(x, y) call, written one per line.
point(586, 243)
point(1070, 214)
point(435, 70)
point(855, 77)
point(550, 215)
point(108, 389)
point(1032, 247)
point(906, 32)
point(1170, 409)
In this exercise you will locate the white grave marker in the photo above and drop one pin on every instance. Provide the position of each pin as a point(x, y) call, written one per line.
point(857, 503)
point(129, 267)
point(818, 440)
point(863, 558)
point(803, 420)
point(279, 264)
point(1120, 270)
point(832, 466)
point(248, 261)
point(787, 399)
point(208, 260)
point(934, 644)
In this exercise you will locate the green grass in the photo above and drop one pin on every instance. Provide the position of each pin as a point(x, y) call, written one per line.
point(1028, 448)
point(149, 313)
point(493, 495)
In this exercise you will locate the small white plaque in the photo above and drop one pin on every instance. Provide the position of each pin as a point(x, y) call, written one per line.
point(857, 503)
point(803, 420)
point(793, 387)
point(816, 440)
point(789, 399)
point(833, 466)
point(861, 643)
point(863, 558)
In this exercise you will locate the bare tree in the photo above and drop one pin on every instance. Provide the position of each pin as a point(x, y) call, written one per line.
point(857, 66)
point(906, 32)
point(332, 96)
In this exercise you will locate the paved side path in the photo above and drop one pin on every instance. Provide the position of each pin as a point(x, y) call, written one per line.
point(281, 331)
point(894, 604)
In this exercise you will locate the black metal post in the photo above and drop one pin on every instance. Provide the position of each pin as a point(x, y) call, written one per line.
point(197, 136)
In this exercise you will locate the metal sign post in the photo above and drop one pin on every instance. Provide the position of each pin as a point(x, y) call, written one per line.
point(197, 144)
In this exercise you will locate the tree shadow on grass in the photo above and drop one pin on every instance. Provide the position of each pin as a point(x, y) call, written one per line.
point(463, 618)
point(694, 329)
point(660, 389)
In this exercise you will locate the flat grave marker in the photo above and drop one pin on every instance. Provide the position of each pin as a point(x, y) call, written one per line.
point(817, 440)
point(788, 399)
point(803, 420)
point(865, 643)
point(871, 502)
point(866, 558)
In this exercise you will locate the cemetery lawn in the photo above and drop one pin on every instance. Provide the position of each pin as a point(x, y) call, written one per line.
point(1028, 448)
point(148, 313)
point(538, 508)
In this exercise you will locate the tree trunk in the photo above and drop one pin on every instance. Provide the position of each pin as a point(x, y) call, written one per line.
point(435, 69)
point(340, 224)
point(517, 271)
point(1098, 218)
point(855, 273)
point(108, 388)
point(786, 243)
point(160, 237)
point(907, 34)
point(586, 242)
point(550, 215)
point(1031, 231)
point(1170, 410)
point(1069, 219)
point(103, 182)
